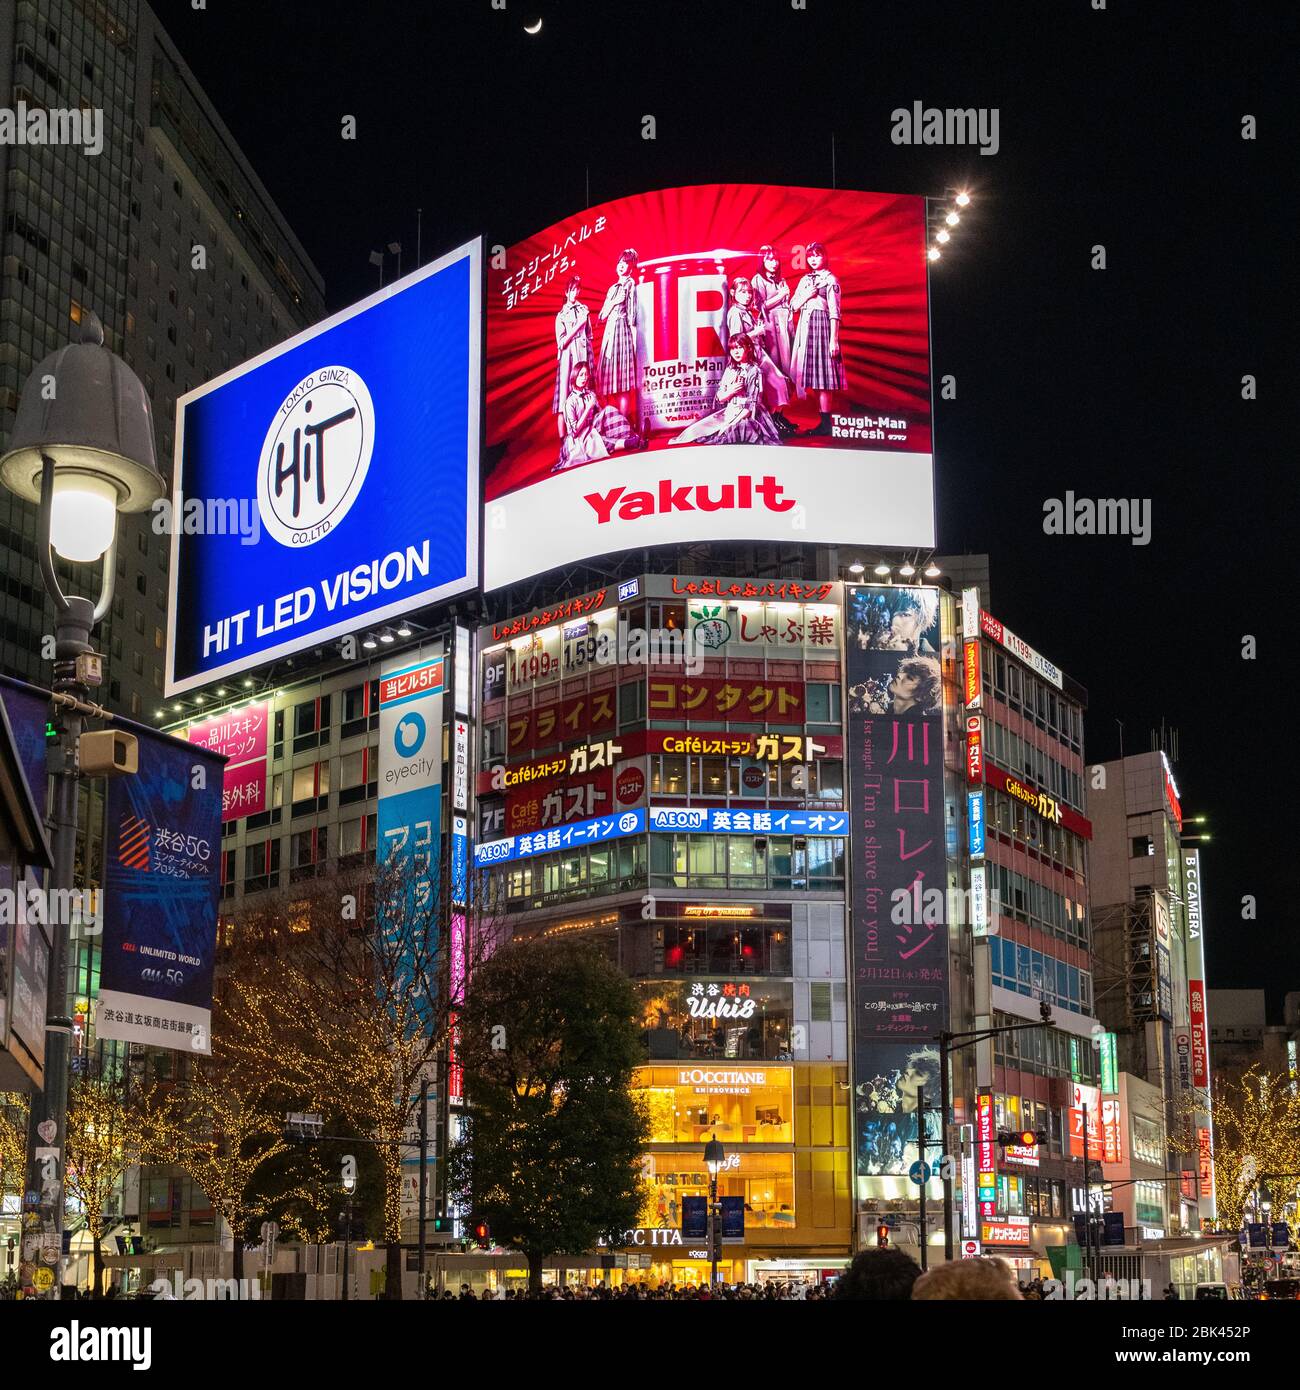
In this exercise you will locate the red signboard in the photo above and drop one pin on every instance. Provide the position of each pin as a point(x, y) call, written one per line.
point(423, 679)
point(974, 748)
point(592, 712)
point(1047, 806)
point(748, 700)
point(557, 803)
point(578, 607)
point(1086, 1099)
point(1009, 1230)
point(1200, 1056)
point(1111, 1132)
point(986, 1151)
point(240, 737)
point(754, 589)
point(971, 664)
point(1205, 1162)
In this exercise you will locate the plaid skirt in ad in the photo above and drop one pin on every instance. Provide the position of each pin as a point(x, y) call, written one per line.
point(616, 371)
point(608, 427)
point(814, 369)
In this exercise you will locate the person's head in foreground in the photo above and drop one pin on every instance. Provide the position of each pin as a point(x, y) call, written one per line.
point(880, 1275)
point(966, 1280)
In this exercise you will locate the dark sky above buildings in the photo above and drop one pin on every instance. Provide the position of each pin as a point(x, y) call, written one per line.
point(1119, 127)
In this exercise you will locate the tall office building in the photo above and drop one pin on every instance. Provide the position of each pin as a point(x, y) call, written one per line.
point(117, 231)
point(1027, 842)
point(1151, 972)
point(114, 231)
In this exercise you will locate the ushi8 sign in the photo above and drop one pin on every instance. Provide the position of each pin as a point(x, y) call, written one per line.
point(724, 361)
point(331, 482)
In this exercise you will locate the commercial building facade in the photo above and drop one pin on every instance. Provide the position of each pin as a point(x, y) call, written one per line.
point(1027, 838)
point(698, 721)
point(159, 227)
point(168, 237)
point(1147, 913)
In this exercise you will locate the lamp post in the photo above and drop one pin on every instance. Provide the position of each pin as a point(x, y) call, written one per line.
point(714, 1157)
point(82, 448)
point(350, 1187)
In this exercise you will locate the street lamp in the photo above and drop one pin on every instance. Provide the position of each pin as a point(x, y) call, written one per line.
point(82, 448)
point(715, 1155)
point(350, 1187)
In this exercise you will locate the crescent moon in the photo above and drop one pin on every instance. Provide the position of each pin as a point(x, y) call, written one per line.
point(533, 29)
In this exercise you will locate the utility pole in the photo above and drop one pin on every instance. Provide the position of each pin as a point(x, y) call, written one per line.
point(924, 1183)
point(944, 1086)
point(424, 1176)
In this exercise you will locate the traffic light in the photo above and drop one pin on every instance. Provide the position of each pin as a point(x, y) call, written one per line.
point(1022, 1138)
point(443, 1225)
point(882, 1236)
point(480, 1233)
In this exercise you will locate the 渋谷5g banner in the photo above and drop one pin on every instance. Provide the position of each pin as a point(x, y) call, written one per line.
point(162, 881)
point(725, 361)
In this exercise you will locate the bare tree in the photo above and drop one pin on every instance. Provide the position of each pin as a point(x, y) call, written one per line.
point(347, 996)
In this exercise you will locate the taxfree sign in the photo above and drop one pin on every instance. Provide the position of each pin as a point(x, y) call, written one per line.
point(347, 459)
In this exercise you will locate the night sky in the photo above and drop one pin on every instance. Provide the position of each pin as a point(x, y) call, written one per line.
point(1120, 127)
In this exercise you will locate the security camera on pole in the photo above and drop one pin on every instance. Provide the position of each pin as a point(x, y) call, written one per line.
point(82, 449)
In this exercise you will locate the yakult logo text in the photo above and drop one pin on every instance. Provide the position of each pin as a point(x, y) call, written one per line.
point(315, 456)
point(688, 497)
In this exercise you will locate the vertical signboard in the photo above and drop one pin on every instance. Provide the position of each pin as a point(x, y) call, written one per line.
point(162, 855)
point(240, 737)
point(1112, 1144)
point(974, 748)
point(969, 1191)
point(975, 824)
point(1200, 1056)
point(986, 1154)
point(979, 900)
point(1109, 1064)
point(410, 776)
point(972, 688)
point(899, 933)
point(1205, 1163)
point(1085, 1113)
point(25, 937)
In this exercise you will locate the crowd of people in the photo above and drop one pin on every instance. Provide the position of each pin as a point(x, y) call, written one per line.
point(875, 1275)
point(771, 1292)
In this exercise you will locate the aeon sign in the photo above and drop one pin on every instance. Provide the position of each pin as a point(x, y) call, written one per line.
point(315, 456)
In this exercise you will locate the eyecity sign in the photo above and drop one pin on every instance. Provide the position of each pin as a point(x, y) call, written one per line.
point(357, 442)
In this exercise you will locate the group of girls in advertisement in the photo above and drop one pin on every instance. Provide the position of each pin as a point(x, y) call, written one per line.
point(779, 346)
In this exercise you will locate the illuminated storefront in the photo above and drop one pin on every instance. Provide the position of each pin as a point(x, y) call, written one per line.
point(717, 1019)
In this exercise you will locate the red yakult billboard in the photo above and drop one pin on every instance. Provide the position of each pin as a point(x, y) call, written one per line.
point(725, 361)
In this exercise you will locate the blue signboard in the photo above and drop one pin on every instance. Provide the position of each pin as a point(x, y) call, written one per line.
point(695, 1218)
point(975, 823)
point(330, 483)
point(733, 1217)
point(581, 832)
point(409, 816)
point(724, 819)
point(162, 880)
